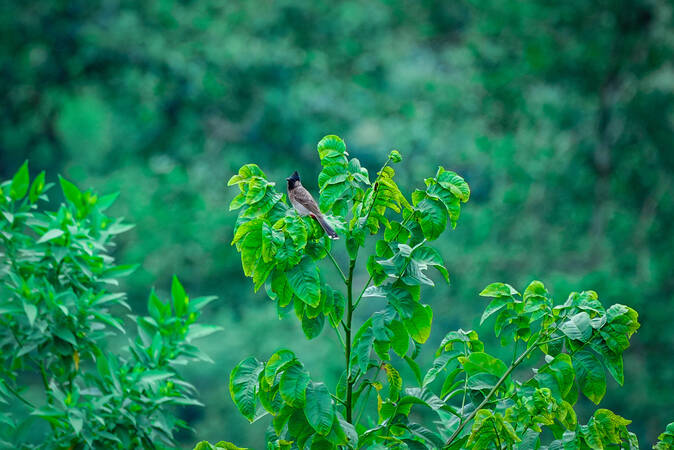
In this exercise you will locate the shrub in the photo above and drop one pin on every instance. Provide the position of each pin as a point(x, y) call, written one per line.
point(57, 313)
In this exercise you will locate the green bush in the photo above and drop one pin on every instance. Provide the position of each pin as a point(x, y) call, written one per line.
point(475, 399)
point(57, 317)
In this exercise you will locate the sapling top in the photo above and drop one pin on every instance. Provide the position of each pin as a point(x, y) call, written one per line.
point(468, 398)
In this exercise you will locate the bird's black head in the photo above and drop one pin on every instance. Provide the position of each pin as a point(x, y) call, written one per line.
point(293, 180)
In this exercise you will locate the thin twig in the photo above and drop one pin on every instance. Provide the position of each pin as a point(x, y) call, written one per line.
point(492, 392)
point(334, 261)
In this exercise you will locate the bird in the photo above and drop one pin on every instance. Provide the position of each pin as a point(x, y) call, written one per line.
point(305, 205)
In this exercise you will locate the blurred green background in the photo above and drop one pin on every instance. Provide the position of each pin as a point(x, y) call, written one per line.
point(560, 115)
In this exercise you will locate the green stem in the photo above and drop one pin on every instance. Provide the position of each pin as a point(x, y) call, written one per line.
point(349, 318)
point(465, 385)
point(498, 438)
point(338, 399)
point(334, 261)
point(17, 395)
point(493, 391)
point(339, 335)
point(360, 296)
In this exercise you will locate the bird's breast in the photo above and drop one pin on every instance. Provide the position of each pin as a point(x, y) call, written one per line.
point(300, 208)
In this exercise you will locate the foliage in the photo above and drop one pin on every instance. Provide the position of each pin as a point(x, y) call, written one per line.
point(476, 400)
point(559, 113)
point(57, 314)
point(666, 439)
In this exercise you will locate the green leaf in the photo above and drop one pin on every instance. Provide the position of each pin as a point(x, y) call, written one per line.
point(31, 312)
point(277, 362)
point(494, 306)
point(400, 339)
point(362, 345)
point(499, 290)
point(562, 373)
point(578, 327)
point(318, 409)
point(179, 297)
point(49, 235)
point(159, 310)
point(20, 181)
point(611, 360)
point(416, 370)
point(312, 327)
point(37, 187)
point(71, 192)
point(478, 362)
point(395, 381)
point(243, 385)
point(432, 217)
point(590, 375)
point(293, 385)
point(395, 156)
point(305, 282)
point(456, 184)
point(419, 325)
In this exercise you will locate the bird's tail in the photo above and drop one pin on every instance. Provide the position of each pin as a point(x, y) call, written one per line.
point(327, 228)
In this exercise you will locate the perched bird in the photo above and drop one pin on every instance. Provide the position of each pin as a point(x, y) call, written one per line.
point(305, 204)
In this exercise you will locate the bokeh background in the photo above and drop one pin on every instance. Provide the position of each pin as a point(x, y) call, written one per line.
point(560, 115)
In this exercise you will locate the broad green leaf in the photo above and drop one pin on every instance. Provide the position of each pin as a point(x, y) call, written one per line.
point(419, 325)
point(561, 370)
point(611, 360)
point(499, 290)
point(400, 339)
point(495, 306)
point(590, 375)
point(610, 426)
point(478, 362)
point(305, 282)
point(578, 327)
point(456, 184)
point(362, 346)
point(432, 217)
point(312, 327)
point(318, 409)
point(416, 370)
point(395, 382)
point(293, 385)
point(243, 385)
point(277, 362)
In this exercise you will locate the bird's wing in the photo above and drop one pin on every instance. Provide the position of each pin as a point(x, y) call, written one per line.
point(304, 198)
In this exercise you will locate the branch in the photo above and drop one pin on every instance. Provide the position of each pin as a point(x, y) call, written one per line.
point(492, 392)
point(334, 261)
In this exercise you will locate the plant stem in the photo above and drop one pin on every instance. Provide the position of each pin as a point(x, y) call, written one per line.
point(339, 335)
point(362, 292)
point(349, 317)
point(465, 385)
point(334, 261)
point(516, 363)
